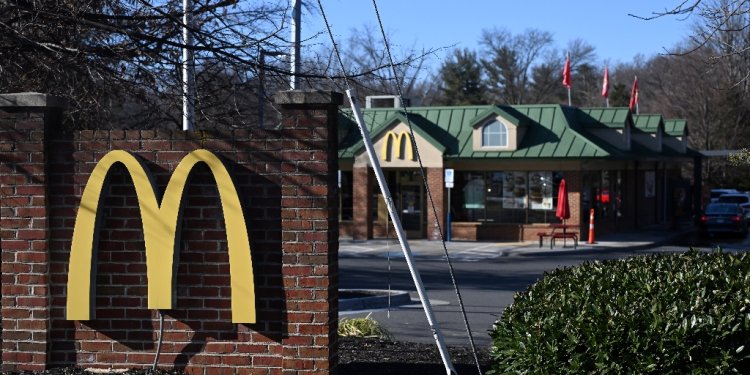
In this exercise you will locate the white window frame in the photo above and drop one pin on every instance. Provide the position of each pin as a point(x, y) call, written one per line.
point(502, 133)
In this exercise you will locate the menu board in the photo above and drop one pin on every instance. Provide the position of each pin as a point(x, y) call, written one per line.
point(514, 190)
point(540, 190)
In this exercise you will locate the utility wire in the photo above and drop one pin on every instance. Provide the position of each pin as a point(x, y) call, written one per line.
point(427, 187)
point(335, 48)
point(389, 201)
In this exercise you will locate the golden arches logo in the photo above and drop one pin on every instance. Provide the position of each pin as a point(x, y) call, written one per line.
point(402, 142)
point(160, 221)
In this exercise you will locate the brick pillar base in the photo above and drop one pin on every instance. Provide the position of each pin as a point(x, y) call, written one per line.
point(310, 234)
point(362, 181)
point(435, 181)
point(24, 227)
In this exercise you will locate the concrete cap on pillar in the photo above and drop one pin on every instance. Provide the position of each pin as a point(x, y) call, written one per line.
point(32, 99)
point(308, 98)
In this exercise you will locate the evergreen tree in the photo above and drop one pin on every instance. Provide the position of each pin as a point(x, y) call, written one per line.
point(461, 77)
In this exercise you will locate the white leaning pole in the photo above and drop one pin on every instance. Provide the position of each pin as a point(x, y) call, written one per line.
point(436, 333)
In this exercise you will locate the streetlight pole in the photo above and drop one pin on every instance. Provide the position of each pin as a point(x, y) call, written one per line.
point(296, 34)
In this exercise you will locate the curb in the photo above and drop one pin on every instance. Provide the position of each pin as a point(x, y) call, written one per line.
point(594, 247)
point(372, 299)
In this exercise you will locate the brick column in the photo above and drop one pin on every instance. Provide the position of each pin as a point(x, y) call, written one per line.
point(579, 215)
point(24, 227)
point(435, 181)
point(309, 220)
point(362, 180)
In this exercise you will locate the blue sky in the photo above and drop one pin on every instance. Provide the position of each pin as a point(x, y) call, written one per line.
point(427, 24)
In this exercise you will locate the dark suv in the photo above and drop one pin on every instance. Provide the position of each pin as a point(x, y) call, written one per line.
point(723, 218)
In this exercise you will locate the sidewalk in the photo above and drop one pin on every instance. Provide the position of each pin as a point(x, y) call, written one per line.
point(475, 251)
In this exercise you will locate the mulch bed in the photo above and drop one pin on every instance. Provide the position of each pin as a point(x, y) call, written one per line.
point(366, 356)
point(374, 356)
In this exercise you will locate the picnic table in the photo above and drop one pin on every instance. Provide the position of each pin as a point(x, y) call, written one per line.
point(557, 231)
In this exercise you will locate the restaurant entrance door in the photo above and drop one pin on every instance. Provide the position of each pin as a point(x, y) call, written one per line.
point(410, 202)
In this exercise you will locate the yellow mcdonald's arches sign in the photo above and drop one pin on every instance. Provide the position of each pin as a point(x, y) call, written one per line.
point(402, 142)
point(160, 221)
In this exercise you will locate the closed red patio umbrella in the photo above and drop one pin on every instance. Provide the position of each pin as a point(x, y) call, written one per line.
point(563, 208)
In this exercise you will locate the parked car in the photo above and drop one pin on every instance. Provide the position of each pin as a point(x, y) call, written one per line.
point(723, 218)
point(740, 198)
point(716, 193)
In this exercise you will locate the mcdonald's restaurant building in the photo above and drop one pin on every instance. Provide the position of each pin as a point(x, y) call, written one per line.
point(506, 163)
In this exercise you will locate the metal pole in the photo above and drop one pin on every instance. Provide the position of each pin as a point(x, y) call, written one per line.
point(296, 34)
point(188, 69)
point(436, 333)
point(448, 219)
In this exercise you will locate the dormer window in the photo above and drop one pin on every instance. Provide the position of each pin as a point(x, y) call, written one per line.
point(496, 130)
point(494, 134)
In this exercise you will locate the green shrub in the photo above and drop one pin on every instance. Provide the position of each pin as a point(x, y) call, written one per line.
point(363, 327)
point(659, 314)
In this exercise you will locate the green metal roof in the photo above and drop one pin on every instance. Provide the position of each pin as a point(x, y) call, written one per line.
point(648, 123)
point(507, 113)
point(551, 131)
point(614, 117)
point(675, 127)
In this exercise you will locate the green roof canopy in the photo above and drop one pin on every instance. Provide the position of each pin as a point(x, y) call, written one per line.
point(552, 131)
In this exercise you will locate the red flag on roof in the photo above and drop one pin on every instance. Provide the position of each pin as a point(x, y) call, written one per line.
point(605, 83)
point(634, 94)
point(566, 72)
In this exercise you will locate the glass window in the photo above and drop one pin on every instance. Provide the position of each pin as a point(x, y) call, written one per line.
point(605, 197)
point(618, 195)
point(474, 196)
point(505, 197)
point(346, 195)
point(603, 193)
point(494, 134)
point(494, 196)
point(379, 208)
point(541, 190)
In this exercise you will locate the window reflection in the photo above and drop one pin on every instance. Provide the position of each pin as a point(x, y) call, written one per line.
point(505, 196)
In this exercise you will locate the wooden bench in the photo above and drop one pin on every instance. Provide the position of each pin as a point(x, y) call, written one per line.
point(566, 235)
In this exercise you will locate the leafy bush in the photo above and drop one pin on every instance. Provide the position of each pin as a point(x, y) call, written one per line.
point(659, 314)
point(363, 327)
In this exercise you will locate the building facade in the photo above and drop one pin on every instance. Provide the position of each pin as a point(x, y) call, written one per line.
point(507, 163)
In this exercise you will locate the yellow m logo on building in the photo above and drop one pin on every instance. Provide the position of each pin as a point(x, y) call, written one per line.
point(402, 142)
point(160, 221)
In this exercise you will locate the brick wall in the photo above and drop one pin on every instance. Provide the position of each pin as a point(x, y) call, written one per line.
point(24, 230)
point(437, 187)
point(475, 231)
point(286, 182)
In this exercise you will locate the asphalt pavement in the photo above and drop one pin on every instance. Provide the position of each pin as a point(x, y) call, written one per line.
point(488, 275)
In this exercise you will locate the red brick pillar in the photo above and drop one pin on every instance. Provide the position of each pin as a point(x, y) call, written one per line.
point(579, 215)
point(24, 228)
point(435, 181)
point(362, 180)
point(310, 234)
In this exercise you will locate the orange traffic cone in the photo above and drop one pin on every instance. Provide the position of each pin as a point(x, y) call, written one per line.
point(591, 226)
